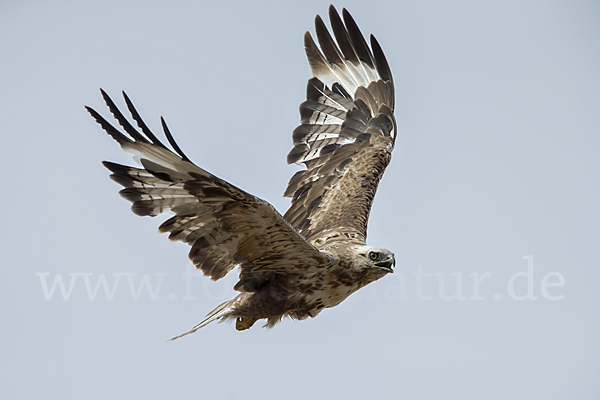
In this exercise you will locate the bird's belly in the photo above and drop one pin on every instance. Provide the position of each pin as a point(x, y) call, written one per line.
point(329, 297)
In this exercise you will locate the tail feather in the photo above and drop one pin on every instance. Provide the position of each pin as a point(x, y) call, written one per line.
point(221, 312)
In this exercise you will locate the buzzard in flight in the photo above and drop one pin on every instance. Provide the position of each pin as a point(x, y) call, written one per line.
point(315, 255)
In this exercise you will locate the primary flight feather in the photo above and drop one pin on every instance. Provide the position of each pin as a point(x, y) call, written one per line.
point(315, 255)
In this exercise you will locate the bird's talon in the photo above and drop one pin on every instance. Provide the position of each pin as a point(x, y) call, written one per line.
point(243, 323)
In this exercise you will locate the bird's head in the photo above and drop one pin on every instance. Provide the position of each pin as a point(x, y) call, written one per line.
point(375, 260)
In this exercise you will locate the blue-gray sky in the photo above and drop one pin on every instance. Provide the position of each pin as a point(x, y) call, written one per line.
point(495, 173)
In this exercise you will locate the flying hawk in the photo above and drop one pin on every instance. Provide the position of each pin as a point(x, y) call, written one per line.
point(315, 255)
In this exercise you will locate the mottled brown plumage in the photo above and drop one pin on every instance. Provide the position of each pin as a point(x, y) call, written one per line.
point(315, 255)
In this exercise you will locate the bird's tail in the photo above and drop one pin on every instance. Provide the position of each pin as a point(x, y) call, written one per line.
point(222, 311)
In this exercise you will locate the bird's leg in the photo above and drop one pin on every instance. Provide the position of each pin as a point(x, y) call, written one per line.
point(243, 323)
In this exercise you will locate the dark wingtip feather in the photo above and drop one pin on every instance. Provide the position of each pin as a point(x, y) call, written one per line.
point(140, 122)
point(306, 37)
point(318, 64)
point(328, 46)
point(120, 173)
point(108, 128)
point(90, 110)
point(341, 35)
point(383, 68)
point(358, 40)
point(114, 167)
point(172, 140)
point(121, 118)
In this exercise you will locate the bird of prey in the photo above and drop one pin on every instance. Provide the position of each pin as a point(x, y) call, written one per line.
point(315, 255)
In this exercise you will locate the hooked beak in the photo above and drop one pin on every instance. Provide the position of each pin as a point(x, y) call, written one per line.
point(387, 264)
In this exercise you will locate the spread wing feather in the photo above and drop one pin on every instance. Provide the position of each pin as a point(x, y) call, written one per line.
point(224, 225)
point(346, 135)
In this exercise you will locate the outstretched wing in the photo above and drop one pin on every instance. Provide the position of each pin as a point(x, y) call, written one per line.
point(224, 225)
point(347, 133)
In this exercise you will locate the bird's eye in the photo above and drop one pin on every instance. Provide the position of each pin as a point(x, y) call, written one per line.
point(373, 256)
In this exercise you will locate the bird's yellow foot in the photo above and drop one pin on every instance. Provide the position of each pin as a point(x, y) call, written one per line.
point(244, 323)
